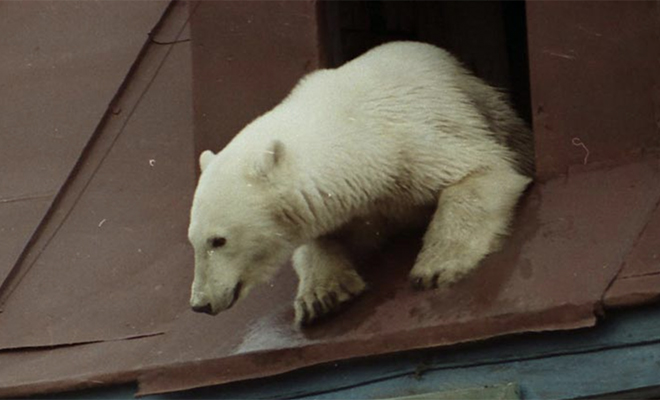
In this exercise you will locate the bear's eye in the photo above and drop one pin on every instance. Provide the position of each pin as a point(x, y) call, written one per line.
point(218, 242)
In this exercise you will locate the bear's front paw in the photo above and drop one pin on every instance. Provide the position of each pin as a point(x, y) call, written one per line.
point(428, 275)
point(319, 299)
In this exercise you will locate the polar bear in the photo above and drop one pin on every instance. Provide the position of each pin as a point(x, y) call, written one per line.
point(400, 135)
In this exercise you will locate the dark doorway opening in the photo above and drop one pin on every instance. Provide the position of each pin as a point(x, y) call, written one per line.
point(489, 37)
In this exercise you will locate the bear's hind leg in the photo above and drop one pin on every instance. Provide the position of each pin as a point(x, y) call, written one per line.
point(327, 280)
point(472, 217)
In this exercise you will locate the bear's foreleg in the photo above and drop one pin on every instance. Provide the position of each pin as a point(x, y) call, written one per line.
point(327, 279)
point(472, 217)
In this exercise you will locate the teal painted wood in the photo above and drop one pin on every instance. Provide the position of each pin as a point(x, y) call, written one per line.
point(558, 377)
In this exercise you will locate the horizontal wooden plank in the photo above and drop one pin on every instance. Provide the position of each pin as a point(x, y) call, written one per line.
point(560, 377)
point(508, 391)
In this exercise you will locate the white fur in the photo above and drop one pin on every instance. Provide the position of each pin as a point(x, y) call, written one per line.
point(350, 156)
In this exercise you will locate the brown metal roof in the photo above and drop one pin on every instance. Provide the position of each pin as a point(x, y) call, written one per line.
point(47, 370)
point(80, 261)
point(59, 72)
point(103, 294)
point(639, 279)
point(593, 66)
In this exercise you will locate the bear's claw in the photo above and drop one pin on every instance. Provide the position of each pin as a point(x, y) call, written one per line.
point(423, 283)
point(441, 276)
point(325, 300)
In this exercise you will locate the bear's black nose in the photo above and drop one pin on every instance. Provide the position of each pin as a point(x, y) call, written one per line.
point(206, 309)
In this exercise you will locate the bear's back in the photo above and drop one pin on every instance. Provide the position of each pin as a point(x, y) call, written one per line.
point(402, 106)
point(390, 83)
point(401, 82)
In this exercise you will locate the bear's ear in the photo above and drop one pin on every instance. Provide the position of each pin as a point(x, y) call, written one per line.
point(269, 159)
point(205, 159)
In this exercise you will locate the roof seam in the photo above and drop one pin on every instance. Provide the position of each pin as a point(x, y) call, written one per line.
point(653, 210)
point(656, 273)
point(23, 265)
point(27, 197)
point(82, 343)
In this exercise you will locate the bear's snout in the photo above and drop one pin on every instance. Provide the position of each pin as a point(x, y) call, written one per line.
point(201, 304)
point(206, 309)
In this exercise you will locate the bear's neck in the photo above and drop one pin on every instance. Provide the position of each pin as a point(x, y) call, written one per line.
point(311, 212)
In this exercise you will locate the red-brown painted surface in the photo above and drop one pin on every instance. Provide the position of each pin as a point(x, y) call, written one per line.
point(61, 67)
point(639, 280)
point(105, 299)
point(595, 71)
point(117, 238)
point(246, 58)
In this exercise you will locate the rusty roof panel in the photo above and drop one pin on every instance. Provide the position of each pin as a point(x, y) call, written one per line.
point(120, 251)
point(639, 280)
point(633, 291)
point(65, 368)
point(594, 71)
point(18, 219)
point(57, 80)
point(644, 259)
point(253, 53)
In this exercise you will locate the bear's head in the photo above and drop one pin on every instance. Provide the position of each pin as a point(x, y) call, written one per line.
point(234, 230)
